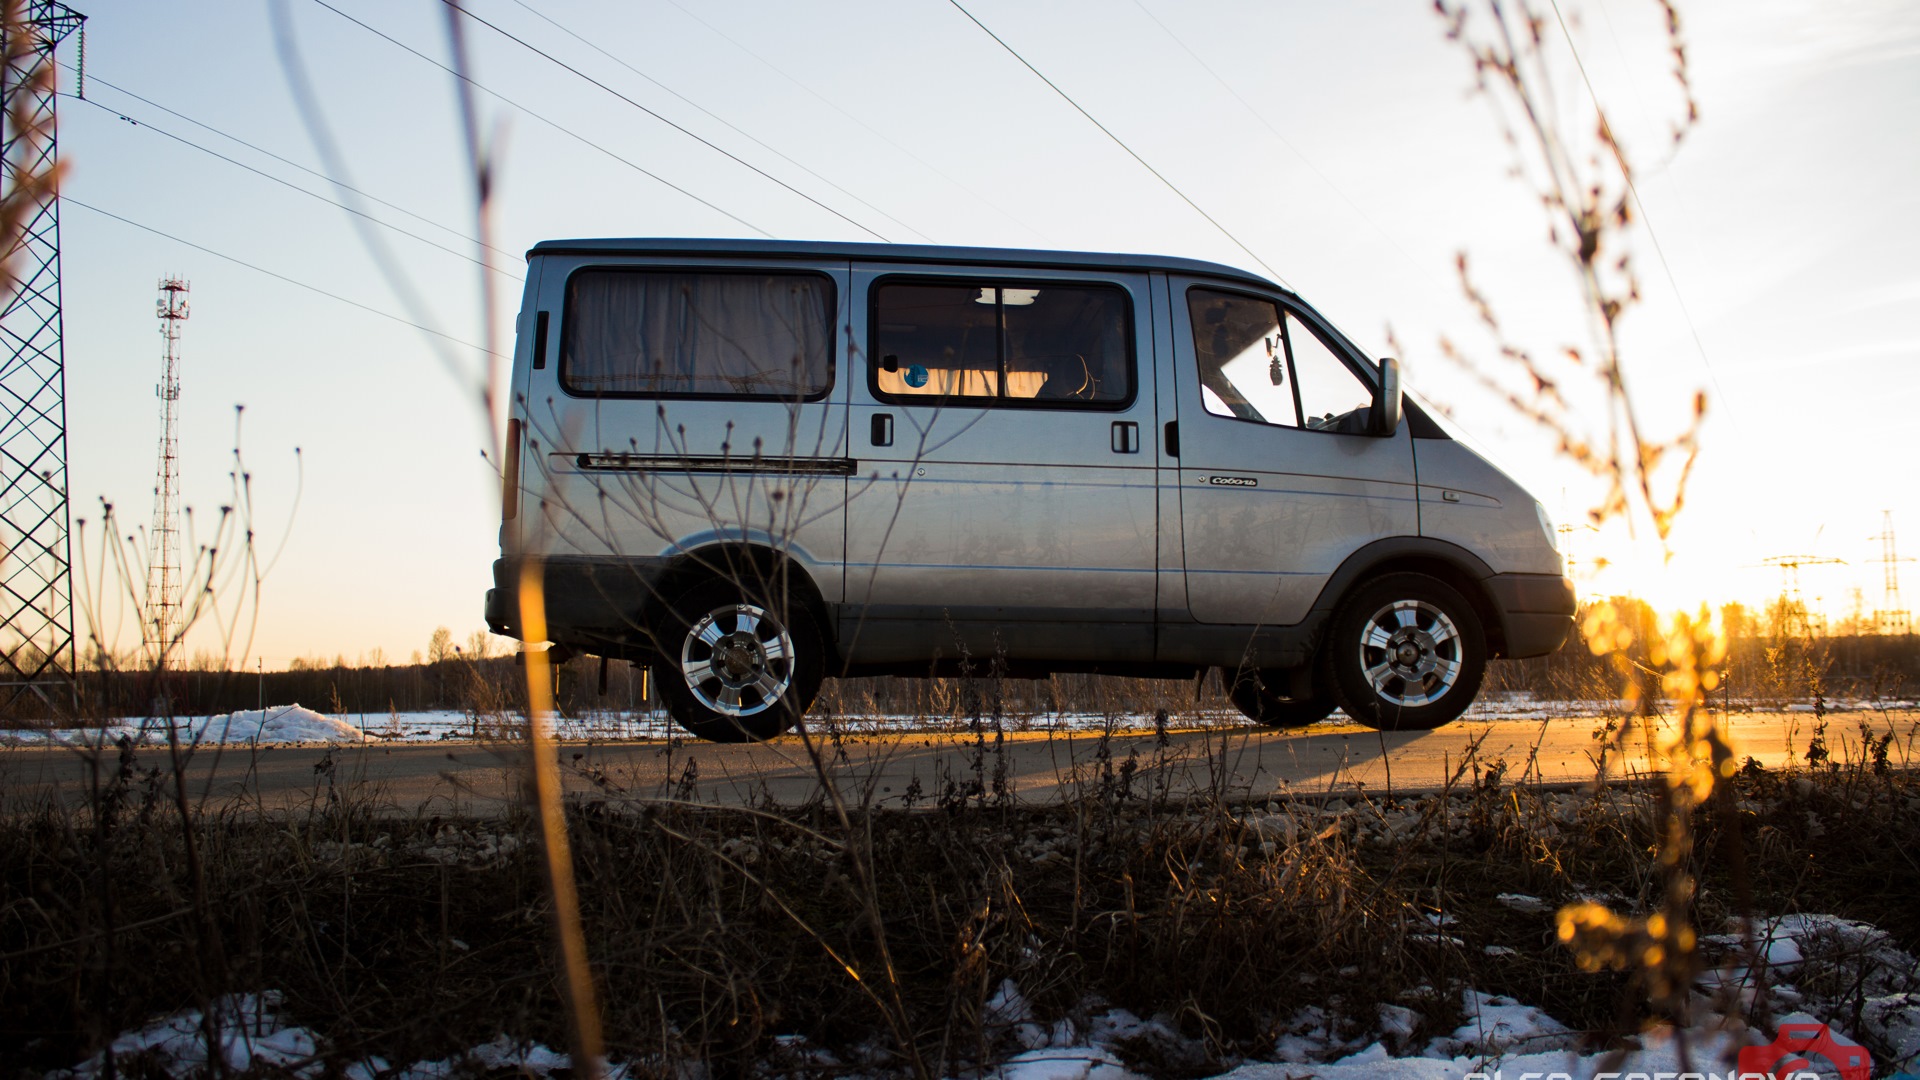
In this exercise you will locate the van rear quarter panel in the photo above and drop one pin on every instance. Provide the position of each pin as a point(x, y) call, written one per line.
point(605, 508)
point(516, 499)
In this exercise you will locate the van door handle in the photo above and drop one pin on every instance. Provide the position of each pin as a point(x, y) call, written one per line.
point(1126, 437)
point(1173, 438)
point(882, 429)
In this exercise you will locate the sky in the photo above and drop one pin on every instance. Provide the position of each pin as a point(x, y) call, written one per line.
point(1343, 146)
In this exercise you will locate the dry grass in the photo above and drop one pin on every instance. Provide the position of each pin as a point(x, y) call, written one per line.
point(713, 931)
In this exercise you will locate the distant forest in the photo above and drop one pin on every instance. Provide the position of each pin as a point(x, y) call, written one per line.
point(1773, 657)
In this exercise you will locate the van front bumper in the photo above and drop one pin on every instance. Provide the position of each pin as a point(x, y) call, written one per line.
point(1536, 612)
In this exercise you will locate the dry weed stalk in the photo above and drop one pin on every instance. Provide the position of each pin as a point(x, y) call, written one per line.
point(1588, 196)
point(543, 759)
point(222, 585)
point(544, 781)
point(1587, 191)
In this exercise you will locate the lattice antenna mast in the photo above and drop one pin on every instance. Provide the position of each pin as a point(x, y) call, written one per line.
point(163, 541)
point(36, 575)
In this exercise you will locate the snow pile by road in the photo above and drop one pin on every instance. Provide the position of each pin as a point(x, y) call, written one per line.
point(280, 724)
point(285, 724)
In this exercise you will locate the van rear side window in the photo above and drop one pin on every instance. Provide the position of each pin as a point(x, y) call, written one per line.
point(1033, 343)
point(677, 333)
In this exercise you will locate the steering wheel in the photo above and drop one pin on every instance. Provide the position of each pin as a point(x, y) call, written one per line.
point(1351, 422)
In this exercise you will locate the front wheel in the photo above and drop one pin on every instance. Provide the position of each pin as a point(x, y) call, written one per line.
point(1405, 653)
point(736, 667)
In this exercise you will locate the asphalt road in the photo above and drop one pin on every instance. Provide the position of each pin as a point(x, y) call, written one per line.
point(922, 769)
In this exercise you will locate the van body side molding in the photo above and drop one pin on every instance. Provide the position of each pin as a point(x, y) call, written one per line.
point(700, 464)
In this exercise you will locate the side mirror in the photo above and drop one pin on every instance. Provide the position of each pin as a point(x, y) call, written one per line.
point(1386, 400)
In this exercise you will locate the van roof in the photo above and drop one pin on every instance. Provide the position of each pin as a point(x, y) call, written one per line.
point(911, 253)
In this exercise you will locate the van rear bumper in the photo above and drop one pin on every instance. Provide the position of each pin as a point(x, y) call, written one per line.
point(589, 601)
point(1536, 612)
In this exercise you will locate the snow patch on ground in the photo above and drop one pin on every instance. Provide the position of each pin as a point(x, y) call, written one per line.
point(282, 724)
point(1500, 1036)
point(1499, 1025)
point(249, 1035)
point(1521, 902)
point(1065, 1063)
point(1660, 1055)
point(1823, 968)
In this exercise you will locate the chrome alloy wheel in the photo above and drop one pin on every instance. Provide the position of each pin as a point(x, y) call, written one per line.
point(1411, 652)
point(737, 660)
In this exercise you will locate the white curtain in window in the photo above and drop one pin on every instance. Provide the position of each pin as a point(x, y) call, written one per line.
point(721, 334)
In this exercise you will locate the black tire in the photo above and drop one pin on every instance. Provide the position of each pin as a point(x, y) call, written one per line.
point(1404, 653)
point(1252, 693)
point(735, 667)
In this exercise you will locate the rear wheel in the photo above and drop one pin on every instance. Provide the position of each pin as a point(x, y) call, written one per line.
point(737, 668)
point(1405, 653)
point(1253, 694)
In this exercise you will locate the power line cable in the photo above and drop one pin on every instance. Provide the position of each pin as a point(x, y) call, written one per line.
point(1634, 190)
point(70, 200)
point(256, 148)
point(289, 184)
point(306, 101)
point(715, 147)
point(554, 124)
point(1275, 132)
point(1121, 143)
point(868, 128)
point(704, 111)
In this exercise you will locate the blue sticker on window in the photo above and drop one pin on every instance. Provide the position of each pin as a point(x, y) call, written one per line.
point(916, 376)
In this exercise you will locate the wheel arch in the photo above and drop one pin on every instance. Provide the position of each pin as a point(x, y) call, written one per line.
point(746, 563)
point(1460, 569)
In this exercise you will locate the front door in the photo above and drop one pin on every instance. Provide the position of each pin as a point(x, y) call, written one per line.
point(1004, 495)
point(1279, 478)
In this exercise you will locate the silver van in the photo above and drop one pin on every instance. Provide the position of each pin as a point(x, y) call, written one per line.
point(752, 464)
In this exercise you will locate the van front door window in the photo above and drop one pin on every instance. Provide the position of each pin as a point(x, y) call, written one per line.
point(1259, 362)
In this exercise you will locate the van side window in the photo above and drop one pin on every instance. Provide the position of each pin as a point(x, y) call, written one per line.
point(1260, 362)
point(1035, 344)
point(677, 333)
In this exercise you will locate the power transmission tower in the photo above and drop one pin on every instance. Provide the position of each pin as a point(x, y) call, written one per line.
point(1797, 616)
point(163, 541)
point(1567, 533)
point(36, 576)
point(1893, 617)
